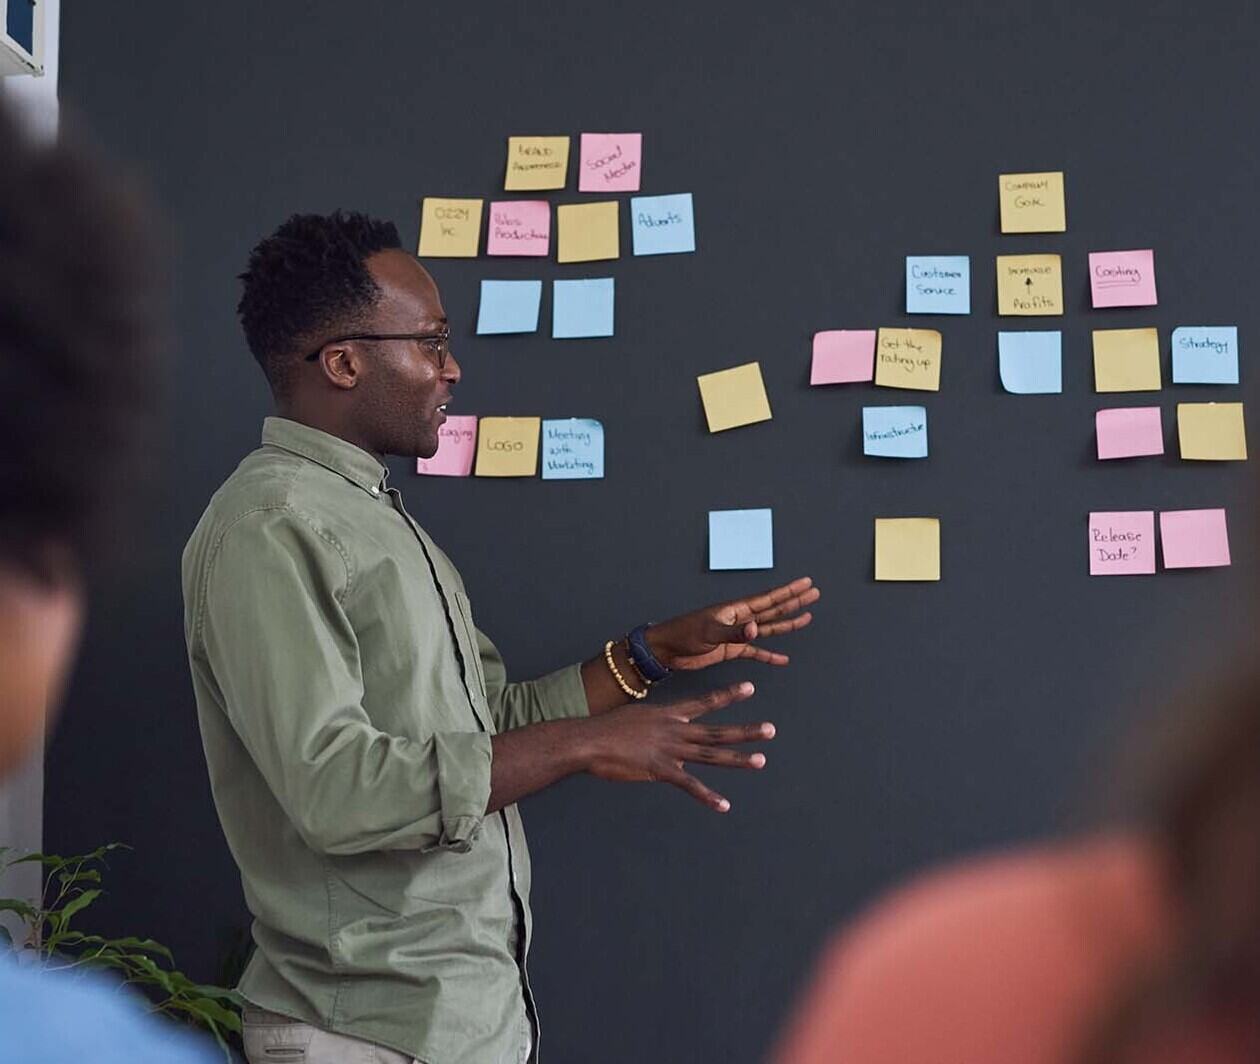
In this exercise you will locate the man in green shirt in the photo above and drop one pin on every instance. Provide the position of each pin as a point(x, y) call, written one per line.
point(365, 747)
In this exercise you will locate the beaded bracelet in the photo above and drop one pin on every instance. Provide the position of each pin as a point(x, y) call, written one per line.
point(616, 673)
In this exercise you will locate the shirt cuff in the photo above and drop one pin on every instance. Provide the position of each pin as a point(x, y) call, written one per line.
point(463, 780)
point(562, 695)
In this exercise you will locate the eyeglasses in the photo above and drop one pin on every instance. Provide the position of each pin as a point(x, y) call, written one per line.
point(436, 345)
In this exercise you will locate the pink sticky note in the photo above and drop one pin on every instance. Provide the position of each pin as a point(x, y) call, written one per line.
point(842, 356)
point(1122, 544)
point(1194, 539)
point(611, 162)
point(1129, 432)
point(1122, 278)
point(457, 445)
point(519, 227)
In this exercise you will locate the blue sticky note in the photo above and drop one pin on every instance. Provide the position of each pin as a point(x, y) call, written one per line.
point(509, 306)
point(894, 431)
point(1205, 354)
point(582, 308)
point(938, 284)
point(662, 225)
point(1031, 363)
point(572, 449)
point(741, 539)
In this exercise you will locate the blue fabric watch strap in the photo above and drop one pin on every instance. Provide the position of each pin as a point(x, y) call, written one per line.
point(643, 658)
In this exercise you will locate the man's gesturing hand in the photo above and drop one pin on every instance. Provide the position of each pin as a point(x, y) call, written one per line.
point(653, 743)
point(726, 631)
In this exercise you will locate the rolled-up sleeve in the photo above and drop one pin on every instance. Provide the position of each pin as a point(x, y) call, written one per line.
point(285, 660)
point(559, 695)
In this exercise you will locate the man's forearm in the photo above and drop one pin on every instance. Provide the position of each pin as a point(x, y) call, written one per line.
point(602, 691)
point(529, 759)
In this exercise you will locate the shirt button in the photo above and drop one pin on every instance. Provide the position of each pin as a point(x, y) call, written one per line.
point(376, 491)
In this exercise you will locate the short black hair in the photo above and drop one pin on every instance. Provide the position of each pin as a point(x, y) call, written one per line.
point(78, 335)
point(308, 280)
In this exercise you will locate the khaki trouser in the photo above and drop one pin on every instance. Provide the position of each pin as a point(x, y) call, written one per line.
point(274, 1039)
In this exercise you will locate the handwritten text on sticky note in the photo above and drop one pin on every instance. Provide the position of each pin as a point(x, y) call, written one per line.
point(507, 446)
point(536, 163)
point(1205, 354)
point(1122, 543)
point(450, 228)
point(894, 431)
point(1032, 203)
point(1029, 284)
point(610, 162)
point(908, 358)
point(457, 444)
point(1122, 278)
point(519, 227)
point(938, 284)
point(572, 449)
point(663, 225)
point(1194, 539)
point(1129, 432)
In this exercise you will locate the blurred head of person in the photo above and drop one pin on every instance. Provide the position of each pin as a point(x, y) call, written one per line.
point(77, 341)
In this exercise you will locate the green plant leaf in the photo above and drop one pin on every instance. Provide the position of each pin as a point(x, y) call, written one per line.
point(76, 904)
point(17, 905)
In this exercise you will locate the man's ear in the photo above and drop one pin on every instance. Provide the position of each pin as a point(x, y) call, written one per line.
point(341, 365)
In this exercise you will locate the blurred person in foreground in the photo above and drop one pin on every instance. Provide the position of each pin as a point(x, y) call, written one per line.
point(1133, 946)
point(76, 343)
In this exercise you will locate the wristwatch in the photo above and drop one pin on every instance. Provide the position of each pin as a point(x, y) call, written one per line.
point(642, 656)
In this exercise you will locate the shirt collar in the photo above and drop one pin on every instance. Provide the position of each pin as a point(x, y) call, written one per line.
point(332, 452)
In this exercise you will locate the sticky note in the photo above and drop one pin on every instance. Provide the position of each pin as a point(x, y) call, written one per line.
point(908, 358)
point(457, 444)
point(663, 225)
point(508, 446)
point(938, 284)
point(1031, 363)
point(509, 306)
point(610, 162)
point(450, 228)
point(1194, 539)
point(1130, 432)
point(894, 431)
point(1122, 543)
point(1205, 354)
point(1122, 278)
point(1029, 284)
point(1032, 203)
point(582, 308)
point(734, 397)
point(535, 163)
point(1126, 360)
point(572, 449)
point(842, 356)
point(907, 548)
point(1212, 431)
point(519, 227)
point(588, 232)
point(741, 539)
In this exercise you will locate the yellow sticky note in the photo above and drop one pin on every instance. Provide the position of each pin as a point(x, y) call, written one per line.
point(734, 397)
point(536, 163)
point(908, 358)
point(1032, 203)
point(907, 548)
point(1212, 431)
point(588, 232)
point(1030, 284)
point(1126, 360)
point(508, 446)
point(450, 228)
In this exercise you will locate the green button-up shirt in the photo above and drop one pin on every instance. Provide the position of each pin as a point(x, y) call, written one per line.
point(346, 703)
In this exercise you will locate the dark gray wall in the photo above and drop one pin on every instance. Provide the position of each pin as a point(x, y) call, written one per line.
point(917, 722)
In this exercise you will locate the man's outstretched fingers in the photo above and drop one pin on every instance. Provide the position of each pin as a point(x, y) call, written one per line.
point(729, 734)
point(702, 794)
point(714, 755)
point(717, 699)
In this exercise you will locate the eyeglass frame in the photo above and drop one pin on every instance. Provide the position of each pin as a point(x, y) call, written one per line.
point(443, 352)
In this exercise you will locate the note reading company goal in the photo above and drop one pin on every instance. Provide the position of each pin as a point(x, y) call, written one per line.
point(1032, 203)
